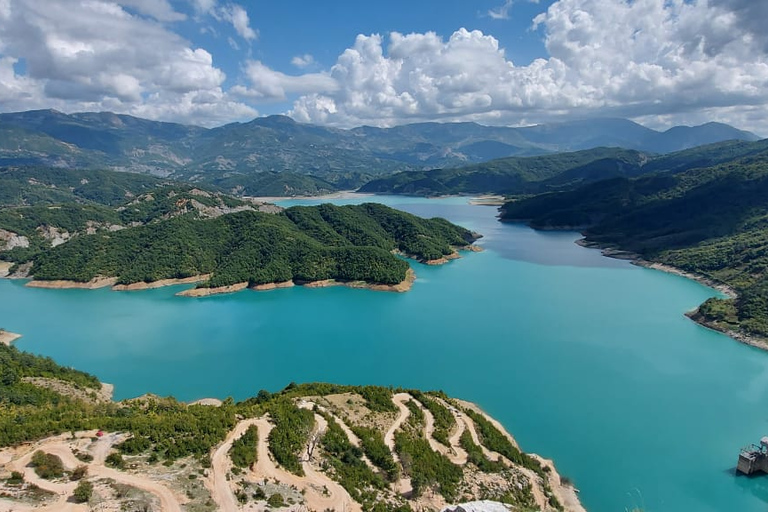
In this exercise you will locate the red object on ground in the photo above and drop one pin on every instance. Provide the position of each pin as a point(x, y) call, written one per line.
point(99, 433)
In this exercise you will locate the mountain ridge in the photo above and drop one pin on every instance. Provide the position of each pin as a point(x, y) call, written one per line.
point(344, 158)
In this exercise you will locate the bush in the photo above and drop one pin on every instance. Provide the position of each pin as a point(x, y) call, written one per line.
point(79, 473)
point(276, 501)
point(47, 465)
point(83, 491)
point(115, 460)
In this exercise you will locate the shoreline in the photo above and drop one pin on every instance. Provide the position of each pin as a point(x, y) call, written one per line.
point(341, 194)
point(63, 284)
point(7, 337)
point(402, 286)
point(565, 493)
point(142, 285)
point(728, 291)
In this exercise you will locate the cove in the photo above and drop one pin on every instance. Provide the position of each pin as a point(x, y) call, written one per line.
point(585, 359)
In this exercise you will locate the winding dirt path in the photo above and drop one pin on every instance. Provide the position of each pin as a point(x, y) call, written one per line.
point(455, 453)
point(217, 483)
point(353, 439)
point(314, 483)
point(63, 449)
point(402, 486)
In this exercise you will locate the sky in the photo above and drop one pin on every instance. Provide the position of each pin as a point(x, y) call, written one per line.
point(349, 63)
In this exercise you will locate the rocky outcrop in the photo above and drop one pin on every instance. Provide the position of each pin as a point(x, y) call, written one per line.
point(10, 240)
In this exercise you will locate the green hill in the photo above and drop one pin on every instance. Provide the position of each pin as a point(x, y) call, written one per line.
point(710, 221)
point(349, 243)
point(556, 172)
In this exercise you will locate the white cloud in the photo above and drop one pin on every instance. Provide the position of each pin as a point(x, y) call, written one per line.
point(161, 10)
point(240, 21)
point(203, 6)
point(658, 61)
point(270, 85)
point(95, 55)
point(303, 61)
point(238, 17)
point(501, 12)
point(606, 57)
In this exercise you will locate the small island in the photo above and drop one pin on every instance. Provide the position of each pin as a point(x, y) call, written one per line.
point(315, 446)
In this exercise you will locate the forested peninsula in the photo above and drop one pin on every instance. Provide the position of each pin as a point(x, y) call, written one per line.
point(99, 228)
point(63, 443)
point(303, 244)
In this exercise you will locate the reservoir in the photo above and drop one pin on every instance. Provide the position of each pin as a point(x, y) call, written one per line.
point(585, 359)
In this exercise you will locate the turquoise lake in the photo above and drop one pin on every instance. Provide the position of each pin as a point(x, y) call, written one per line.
point(585, 359)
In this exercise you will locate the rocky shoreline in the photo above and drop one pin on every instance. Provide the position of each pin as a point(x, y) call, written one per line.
point(159, 284)
point(402, 286)
point(103, 282)
point(7, 337)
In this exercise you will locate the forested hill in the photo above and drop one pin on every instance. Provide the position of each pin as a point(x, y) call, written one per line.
point(349, 243)
point(556, 172)
point(711, 221)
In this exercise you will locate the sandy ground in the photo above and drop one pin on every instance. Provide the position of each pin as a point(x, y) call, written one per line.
point(5, 267)
point(6, 337)
point(62, 447)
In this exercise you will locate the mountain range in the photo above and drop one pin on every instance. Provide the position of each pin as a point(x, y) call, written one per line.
point(277, 156)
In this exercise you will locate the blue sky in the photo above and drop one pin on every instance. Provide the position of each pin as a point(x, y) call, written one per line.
point(325, 29)
point(344, 63)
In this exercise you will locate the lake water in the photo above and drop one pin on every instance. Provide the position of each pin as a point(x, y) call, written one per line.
point(585, 359)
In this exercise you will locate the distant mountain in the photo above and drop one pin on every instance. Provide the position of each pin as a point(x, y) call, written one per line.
point(234, 153)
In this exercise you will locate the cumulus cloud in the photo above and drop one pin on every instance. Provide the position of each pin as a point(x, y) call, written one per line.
point(97, 55)
point(606, 57)
point(658, 61)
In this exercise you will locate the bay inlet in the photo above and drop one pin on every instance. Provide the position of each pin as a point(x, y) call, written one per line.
point(585, 359)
